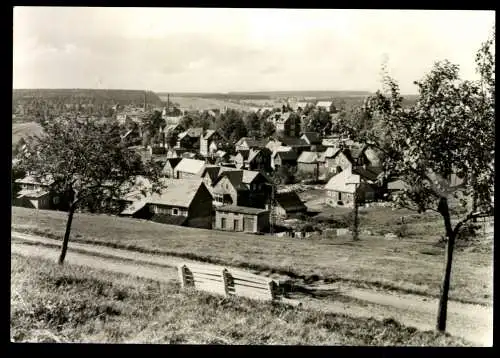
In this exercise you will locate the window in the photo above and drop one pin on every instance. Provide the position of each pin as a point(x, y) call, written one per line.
point(223, 223)
point(176, 211)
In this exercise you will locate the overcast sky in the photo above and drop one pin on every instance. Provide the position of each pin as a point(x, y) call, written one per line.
point(219, 50)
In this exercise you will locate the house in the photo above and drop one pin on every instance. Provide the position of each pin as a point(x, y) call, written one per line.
point(259, 160)
point(287, 203)
point(300, 106)
point(254, 159)
point(337, 159)
point(170, 164)
point(297, 144)
point(311, 138)
point(241, 219)
point(326, 105)
point(246, 143)
point(221, 157)
point(210, 174)
point(283, 158)
point(211, 141)
point(190, 139)
point(35, 193)
point(176, 152)
point(173, 130)
point(193, 155)
point(308, 163)
point(331, 142)
point(186, 202)
point(287, 123)
point(188, 168)
point(242, 188)
point(341, 188)
point(394, 187)
point(240, 158)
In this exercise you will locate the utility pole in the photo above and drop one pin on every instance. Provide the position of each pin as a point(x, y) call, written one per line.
point(272, 205)
point(355, 180)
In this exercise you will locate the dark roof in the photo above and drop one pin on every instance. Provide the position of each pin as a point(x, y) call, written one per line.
point(239, 178)
point(212, 171)
point(369, 173)
point(293, 142)
point(244, 153)
point(289, 155)
point(241, 210)
point(173, 162)
point(313, 137)
point(253, 143)
point(290, 201)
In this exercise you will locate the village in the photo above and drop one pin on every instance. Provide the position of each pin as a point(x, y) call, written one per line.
point(257, 186)
point(252, 176)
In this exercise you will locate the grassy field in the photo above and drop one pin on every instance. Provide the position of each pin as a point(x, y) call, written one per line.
point(20, 130)
point(74, 304)
point(413, 264)
point(198, 103)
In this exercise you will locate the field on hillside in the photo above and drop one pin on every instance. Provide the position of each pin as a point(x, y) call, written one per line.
point(20, 130)
point(412, 264)
point(71, 304)
point(198, 103)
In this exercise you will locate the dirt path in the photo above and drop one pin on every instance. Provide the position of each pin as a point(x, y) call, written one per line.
point(472, 322)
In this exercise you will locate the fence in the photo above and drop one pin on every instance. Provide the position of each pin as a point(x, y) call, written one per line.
point(227, 282)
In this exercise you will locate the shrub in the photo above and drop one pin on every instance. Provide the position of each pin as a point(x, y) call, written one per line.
point(402, 231)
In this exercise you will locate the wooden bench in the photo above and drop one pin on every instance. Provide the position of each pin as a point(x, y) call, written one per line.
point(227, 282)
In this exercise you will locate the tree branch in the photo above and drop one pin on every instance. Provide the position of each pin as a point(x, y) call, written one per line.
point(469, 217)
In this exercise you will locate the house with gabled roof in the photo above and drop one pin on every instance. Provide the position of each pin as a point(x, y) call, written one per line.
point(190, 139)
point(242, 188)
point(188, 168)
point(211, 141)
point(287, 123)
point(283, 156)
point(186, 202)
point(341, 188)
point(308, 163)
point(35, 193)
point(288, 203)
point(254, 159)
point(247, 143)
point(297, 144)
point(326, 105)
point(311, 138)
point(170, 164)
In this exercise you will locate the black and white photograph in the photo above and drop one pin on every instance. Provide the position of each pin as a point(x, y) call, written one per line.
point(252, 176)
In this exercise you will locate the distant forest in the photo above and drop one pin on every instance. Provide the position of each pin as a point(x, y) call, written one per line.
point(85, 96)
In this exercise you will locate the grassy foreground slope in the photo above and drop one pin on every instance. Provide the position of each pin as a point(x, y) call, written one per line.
point(412, 264)
point(74, 304)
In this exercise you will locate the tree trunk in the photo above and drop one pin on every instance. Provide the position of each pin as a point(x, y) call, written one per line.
point(443, 299)
point(64, 247)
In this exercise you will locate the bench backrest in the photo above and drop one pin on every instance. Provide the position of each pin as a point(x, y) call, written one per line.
point(227, 282)
point(241, 283)
point(204, 278)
